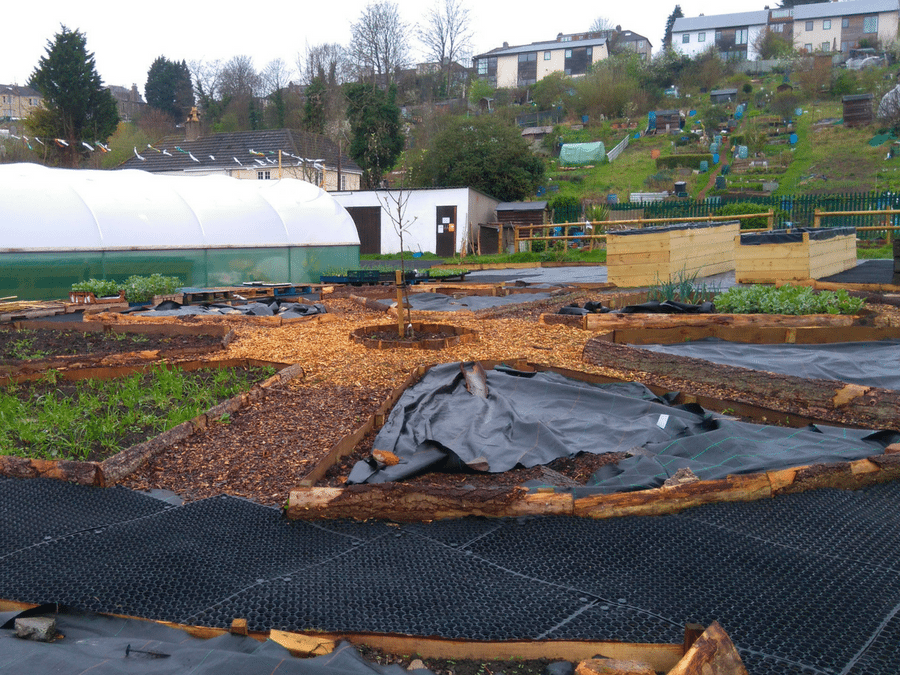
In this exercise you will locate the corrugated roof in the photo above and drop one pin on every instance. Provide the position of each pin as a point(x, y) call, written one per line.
point(522, 206)
point(218, 152)
point(844, 8)
point(543, 46)
point(712, 21)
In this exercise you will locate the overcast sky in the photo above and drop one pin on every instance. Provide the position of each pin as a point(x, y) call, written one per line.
point(126, 39)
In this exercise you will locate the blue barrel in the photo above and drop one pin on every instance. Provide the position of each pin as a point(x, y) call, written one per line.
point(743, 152)
point(584, 119)
point(612, 199)
point(718, 138)
point(715, 158)
point(793, 139)
point(713, 148)
point(704, 166)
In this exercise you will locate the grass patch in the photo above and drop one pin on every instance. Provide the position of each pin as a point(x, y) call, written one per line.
point(93, 419)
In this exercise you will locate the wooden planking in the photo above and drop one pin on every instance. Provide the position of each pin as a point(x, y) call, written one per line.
point(794, 261)
point(753, 334)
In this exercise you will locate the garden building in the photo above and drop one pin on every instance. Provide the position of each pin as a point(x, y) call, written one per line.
point(61, 226)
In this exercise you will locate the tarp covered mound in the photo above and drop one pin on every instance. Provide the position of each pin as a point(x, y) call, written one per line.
point(528, 419)
point(571, 154)
point(51, 209)
point(438, 302)
point(870, 364)
point(263, 307)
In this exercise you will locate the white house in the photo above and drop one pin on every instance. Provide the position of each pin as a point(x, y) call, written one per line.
point(441, 220)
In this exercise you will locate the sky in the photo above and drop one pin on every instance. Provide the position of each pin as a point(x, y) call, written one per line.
point(125, 42)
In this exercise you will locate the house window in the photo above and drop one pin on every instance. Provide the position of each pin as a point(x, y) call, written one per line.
point(547, 56)
point(740, 36)
point(263, 175)
point(685, 39)
point(870, 24)
point(777, 27)
point(845, 22)
point(589, 51)
point(640, 44)
point(566, 38)
point(826, 24)
point(809, 25)
point(718, 36)
point(701, 37)
point(344, 182)
point(807, 47)
point(319, 178)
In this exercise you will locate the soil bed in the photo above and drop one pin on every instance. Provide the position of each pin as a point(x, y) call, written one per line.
point(18, 346)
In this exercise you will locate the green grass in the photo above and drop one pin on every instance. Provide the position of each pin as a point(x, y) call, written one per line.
point(885, 251)
point(91, 418)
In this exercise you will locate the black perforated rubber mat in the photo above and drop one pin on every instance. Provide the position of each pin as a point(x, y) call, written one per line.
point(807, 583)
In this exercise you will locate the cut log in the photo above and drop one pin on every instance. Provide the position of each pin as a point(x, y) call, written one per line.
point(822, 399)
point(712, 654)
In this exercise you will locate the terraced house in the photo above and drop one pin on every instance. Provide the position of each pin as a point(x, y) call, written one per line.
point(828, 27)
point(17, 102)
point(524, 65)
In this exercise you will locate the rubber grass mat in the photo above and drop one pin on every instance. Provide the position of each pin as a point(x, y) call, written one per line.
point(805, 583)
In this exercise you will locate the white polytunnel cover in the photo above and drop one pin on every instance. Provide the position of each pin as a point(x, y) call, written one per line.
point(52, 209)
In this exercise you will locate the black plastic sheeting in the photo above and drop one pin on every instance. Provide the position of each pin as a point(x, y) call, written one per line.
point(263, 307)
point(804, 584)
point(670, 228)
point(651, 307)
point(866, 272)
point(438, 302)
point(795, 235)
point(871, 364)
point(107, 645)
point(534, 418)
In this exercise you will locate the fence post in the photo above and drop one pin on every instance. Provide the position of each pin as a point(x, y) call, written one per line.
point(817, 218)
point(515, 238)
point(770, 220)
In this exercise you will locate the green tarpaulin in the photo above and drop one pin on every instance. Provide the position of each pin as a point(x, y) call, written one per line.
point(581, 153)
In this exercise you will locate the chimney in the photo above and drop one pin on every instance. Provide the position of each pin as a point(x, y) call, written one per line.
point(135, 96)
point(192, 126)
point(505, 45)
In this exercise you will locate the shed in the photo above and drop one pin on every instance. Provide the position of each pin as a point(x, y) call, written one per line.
point(669, 121)
point(516, 214)
point(723, 95)
point(442, 220)
point(857, 110)
point(60, 226)
point(783, 87)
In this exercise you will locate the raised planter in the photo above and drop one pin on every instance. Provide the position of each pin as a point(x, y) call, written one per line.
point(440, 336)
point(662, 254)
point(794, 255)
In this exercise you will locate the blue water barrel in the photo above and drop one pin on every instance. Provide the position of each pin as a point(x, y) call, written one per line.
point(743, 152)
point(715, 158)
point(793, 139)
point(704, 166)
point(717, 139)
point(691, 113)
point(713, 148)
point(612, 199)
point(584, 119)
point(798, 112)
point(738, 114)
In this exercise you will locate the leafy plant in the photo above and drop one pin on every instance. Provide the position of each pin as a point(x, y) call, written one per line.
point(142, 289)
point(683, 288)
point(788, 299)
point(101, 288)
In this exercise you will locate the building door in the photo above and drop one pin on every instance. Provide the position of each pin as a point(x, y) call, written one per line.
point(445, 237)
point(368, 225)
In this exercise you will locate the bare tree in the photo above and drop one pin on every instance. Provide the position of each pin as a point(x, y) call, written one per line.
point(380, 43)
point(602, 24)
point(275, 78)
point(394, 203)
point(446, 34)
point(239, 77)
point(327, 61)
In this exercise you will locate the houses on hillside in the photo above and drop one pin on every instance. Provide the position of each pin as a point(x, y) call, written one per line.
point(820, 27)
point(17, 102)
point(256, 155)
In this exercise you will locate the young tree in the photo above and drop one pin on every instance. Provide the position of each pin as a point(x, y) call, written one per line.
point(670, 23)
point(380, 43)
point(169, 88)
point(376, 136)
point(446, 34)
point(78, 108)
point(771, 45)
point(484, 153)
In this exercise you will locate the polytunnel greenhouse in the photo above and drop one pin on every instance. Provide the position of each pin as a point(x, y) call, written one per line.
point(59, 226)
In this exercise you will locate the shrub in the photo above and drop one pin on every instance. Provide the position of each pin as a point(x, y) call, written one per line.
point(742, 208)
point(691, 161)
point(101, 288)
point(142, 289)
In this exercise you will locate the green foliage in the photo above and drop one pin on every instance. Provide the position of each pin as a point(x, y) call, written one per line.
point(137, 288)
point(670, 23)
point(786, 300)
point(480, 89)
point(101, 288)
point(690, 161)
point(565, 208)
point(77, 107)
point(484, 153)
point(613, 89)
point(743, 208)
point(783, 104)
point(169, 88)
point(553, 90)
point(122, 144)
point(683, 288)
point(314, 108)
point(376, 134)
point(98, 416)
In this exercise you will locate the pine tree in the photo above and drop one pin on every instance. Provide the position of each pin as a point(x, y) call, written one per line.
point(377, 135)
point(670, 23)
point(169, 88)
point(77, 107)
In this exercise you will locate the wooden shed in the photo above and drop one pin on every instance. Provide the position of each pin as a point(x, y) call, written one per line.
point(723, 95)
point(512, 214)
point(668, 121)
point(857, 110)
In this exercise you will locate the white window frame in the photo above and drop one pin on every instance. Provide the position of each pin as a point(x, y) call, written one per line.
point(264, 175)
point(872, 22)
point(810, 25)
point(701, 37)
point(686, 39)
point(826, 24)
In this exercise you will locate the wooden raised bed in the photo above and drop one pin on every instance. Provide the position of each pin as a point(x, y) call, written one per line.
point(701, 650)
point(662, 254)
point(793, 255)
point(403, 502)
point(114, 468)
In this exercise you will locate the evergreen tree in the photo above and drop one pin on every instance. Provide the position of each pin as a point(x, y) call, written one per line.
point(169, 88)
point(314, 108)
point(670, 23)
point(77, 107)
point(376, 134)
